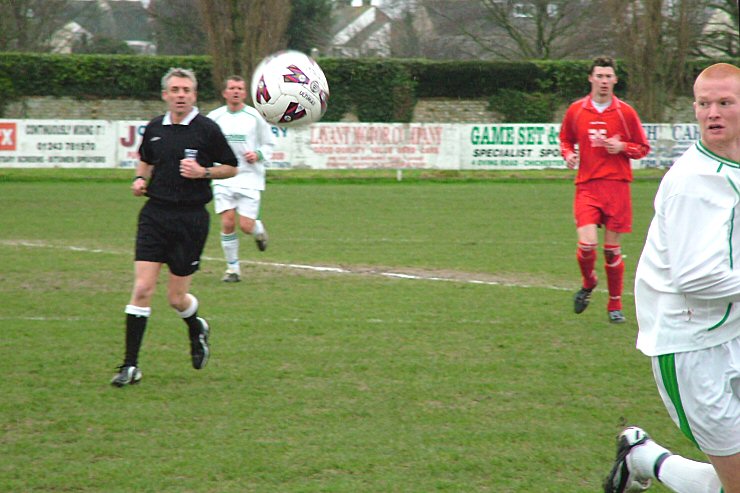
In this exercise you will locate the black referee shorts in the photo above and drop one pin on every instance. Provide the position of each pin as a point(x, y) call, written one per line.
point(172, 235)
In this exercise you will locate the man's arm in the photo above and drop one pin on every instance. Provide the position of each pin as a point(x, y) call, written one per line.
point(699, 251)
point(143, 173)
point(638, 147)
point(266, 140)
point(568, 140)
point(189, 168)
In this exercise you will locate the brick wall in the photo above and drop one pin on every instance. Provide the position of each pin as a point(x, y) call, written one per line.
point(437, 110)
point(94, 109)
point(429, 110)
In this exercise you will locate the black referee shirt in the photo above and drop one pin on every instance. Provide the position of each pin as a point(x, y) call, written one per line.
point(163, 146)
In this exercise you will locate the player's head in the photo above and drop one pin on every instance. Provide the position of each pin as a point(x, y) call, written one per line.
point(603, 78)
point(179, 90)
point(717, 108)
point(234, 91)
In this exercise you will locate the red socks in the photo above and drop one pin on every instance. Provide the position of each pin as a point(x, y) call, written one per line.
point(586, 255)
point(615, 275)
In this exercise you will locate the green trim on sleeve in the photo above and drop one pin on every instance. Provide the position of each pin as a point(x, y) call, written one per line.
point(724, 318)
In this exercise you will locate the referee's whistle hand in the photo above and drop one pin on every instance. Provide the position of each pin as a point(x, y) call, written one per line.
point(189, 168)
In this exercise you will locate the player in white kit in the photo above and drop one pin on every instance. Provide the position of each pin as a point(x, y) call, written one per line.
point(687, 295)
point(252, 140)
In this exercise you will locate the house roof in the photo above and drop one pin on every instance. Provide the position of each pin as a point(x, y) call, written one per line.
point(344, 16)
point(347, 19)
point(359, 39)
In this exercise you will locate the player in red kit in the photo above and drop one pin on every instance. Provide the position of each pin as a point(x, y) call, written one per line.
point(599, 135)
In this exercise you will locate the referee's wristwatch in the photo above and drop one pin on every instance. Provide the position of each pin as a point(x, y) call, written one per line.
point(208, 173)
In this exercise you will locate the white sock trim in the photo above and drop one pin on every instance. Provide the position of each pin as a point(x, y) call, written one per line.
point(685, 475)
point(641, 459)
point(139, 311)
point(230, 247)
point(258, 228)
point(189, 311)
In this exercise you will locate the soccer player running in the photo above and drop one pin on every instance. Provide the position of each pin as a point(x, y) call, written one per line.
point(687, 286)
point(599, 135)
point(252, 140)
point(178, 153)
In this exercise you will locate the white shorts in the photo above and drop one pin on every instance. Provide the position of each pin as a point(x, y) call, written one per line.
point(245, 201)
point(701, 390)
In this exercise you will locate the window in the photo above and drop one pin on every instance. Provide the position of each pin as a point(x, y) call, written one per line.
point(523, 10)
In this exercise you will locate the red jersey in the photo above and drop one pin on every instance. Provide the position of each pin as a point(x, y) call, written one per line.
point(585, 126)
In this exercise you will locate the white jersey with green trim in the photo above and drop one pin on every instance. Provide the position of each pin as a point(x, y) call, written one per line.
point(687, 284)
point(246, 130)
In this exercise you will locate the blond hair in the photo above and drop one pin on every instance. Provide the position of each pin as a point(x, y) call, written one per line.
point(718, 71)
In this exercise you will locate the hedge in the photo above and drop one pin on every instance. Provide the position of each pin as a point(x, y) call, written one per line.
point(374, 89)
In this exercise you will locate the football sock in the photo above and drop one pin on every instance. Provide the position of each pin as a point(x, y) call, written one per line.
point(230, 246)
point(136, 319)
point(614, 267)
point(643, 458)
point(258, 228)
point(586, 255)
point(687, 476)
point(680, 474)
point(190, 316)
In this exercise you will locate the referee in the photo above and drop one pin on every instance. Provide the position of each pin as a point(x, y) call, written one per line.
point(178, 153)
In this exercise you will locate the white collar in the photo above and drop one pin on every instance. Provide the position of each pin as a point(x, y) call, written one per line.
point(185, 121)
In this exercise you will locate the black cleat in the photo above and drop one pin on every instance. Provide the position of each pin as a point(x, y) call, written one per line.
point(230, 276)
point(581, 300)
point(617, 317)
point(621, 479)
point(261, 240)
point(127, 375)
point(199, 350)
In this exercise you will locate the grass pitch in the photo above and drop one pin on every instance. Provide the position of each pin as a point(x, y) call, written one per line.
point(438, 352)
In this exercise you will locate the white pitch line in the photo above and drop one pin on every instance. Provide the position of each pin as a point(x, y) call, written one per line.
point(314, 268)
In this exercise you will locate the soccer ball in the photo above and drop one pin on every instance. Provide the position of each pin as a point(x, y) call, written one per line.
point(290, 89)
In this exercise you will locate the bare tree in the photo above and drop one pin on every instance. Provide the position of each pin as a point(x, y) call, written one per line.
point(27, 25)
point(242, 32)
point(178, 29)
point(405, 42)
point(655, 38)
point(721, 35)
point(515, 30)
point(310, 25)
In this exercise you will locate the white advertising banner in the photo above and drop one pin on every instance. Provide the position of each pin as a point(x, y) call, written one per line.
point(667, 143)
point(56, 143)
point(510, 146)
point(375, 145)
point(108, 144)
point(538, 146)
point(128, 134)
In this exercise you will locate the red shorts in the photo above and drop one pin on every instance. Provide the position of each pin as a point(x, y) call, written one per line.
point(605, 203)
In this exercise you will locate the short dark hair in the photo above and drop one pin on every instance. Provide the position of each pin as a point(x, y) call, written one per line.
point(234, 78)
point(603, 61)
